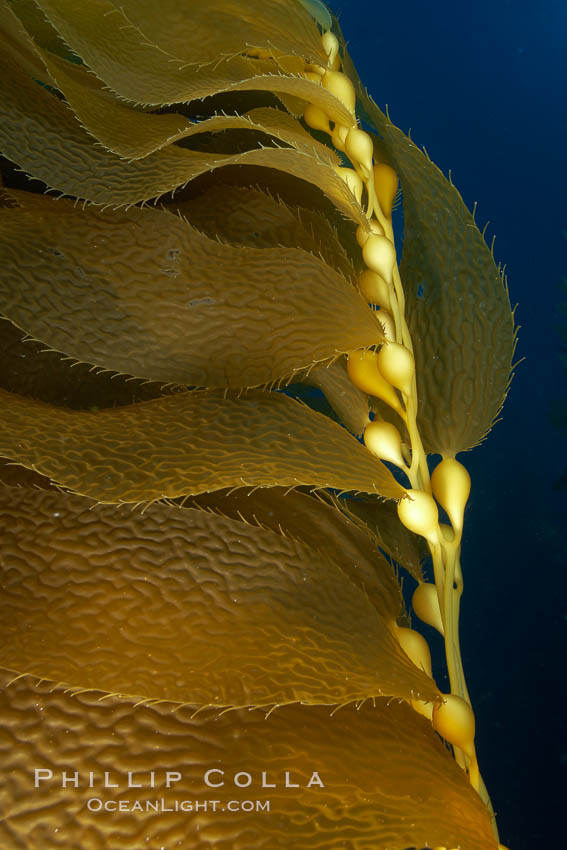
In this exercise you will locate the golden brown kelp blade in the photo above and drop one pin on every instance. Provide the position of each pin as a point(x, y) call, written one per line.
point(244, 215)
point(389, 781)
point(185, 444)
point(133, 133)
point(137, 70)
point(456, 297)
point(122, 129)
point(40, 133)
point(228, 613)
point(182, 28)
point(122, 57)
point(78, 167)
point(319, 524)
point(175, 306)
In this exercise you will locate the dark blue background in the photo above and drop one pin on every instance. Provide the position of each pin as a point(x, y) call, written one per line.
point(482, 87)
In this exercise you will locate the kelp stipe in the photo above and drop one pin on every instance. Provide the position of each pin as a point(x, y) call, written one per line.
point(174, 551)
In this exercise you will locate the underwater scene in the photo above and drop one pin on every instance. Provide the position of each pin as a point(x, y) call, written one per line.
point(283, 494)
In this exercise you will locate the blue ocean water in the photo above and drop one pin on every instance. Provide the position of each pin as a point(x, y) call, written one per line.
point(482, 87)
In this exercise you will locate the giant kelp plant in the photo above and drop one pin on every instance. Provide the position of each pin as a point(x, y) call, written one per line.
point(204, 639)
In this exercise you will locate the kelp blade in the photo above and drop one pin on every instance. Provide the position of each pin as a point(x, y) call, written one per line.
point(389, 781)
point(243, 215)
point(40, 133)
point(142, 292)
point(134, 133)
point(199, 31)
point(321, 525)
point(28, 369)
point(185, 444)
point(188, 606)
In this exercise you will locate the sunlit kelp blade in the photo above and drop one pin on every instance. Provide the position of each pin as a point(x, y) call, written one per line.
point(388, 780)
point(245, 215)
point(125, 60)
point(319, 524)
point(122, 129)
point(230, 614)
point(40, 133)
point(144, 293)
point(187, 443)
point(370, 521)
point(458, 308)
point(133, 133)
point(199, 31)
